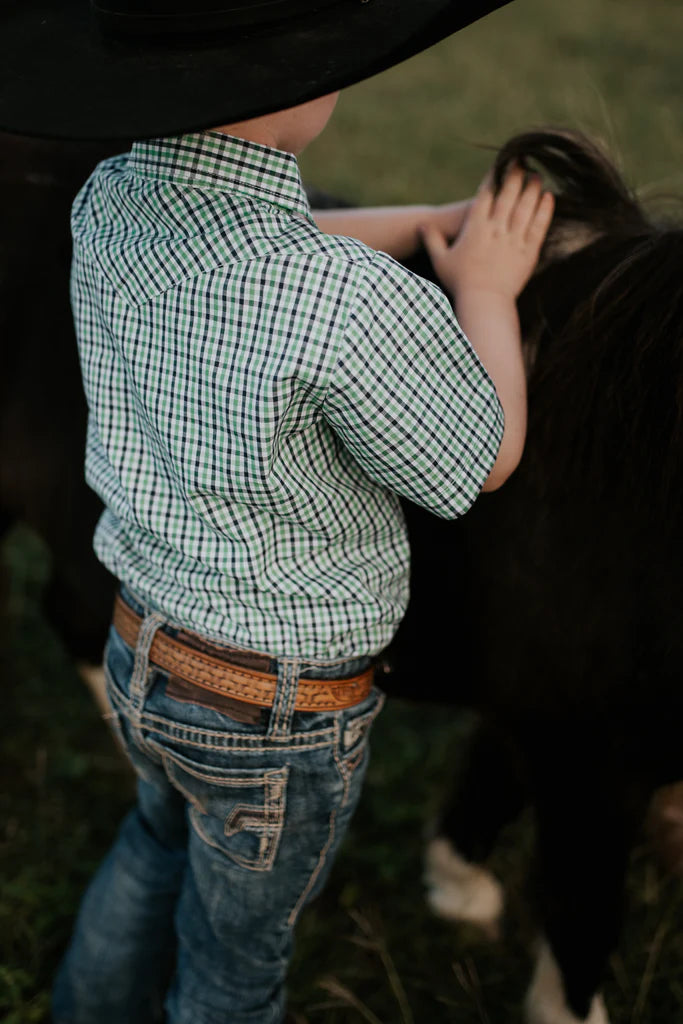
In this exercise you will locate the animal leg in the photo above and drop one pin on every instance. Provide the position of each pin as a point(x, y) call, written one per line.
point(489, 795)
point(586, 824)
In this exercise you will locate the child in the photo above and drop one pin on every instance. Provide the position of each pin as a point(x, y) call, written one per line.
point(260, 392)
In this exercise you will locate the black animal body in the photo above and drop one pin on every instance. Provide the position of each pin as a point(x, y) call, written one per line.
point(42, 407)
point(559, 596)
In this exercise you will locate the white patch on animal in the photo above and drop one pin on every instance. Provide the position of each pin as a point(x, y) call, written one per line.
point(461, 891)
point(93, 677)
point(546, 1002)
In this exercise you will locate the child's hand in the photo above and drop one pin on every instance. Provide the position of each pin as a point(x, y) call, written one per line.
point(500, 241)
point(449, 218)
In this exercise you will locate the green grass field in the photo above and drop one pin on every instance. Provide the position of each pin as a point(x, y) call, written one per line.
point(368, 949)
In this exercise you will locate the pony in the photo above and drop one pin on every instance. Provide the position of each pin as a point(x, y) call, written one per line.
point(562, 591)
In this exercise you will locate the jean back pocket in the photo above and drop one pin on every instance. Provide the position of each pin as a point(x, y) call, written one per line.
point(238, 811)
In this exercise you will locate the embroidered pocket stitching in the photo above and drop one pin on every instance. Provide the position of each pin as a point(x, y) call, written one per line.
point(269, 830)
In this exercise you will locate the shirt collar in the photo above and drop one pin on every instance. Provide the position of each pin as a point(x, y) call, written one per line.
point(226, 163)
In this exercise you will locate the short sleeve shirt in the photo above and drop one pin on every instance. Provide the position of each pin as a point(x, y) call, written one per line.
point(260, 394)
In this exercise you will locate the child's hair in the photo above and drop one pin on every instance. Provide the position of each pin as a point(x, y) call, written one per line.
point(603, 324)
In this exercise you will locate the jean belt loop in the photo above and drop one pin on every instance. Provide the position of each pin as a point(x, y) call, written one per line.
point(139, 682)
point(282, 711)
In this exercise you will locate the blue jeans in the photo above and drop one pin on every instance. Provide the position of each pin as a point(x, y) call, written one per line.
point(235, 830)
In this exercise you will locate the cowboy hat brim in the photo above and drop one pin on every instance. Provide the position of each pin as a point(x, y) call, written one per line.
point(61, 77)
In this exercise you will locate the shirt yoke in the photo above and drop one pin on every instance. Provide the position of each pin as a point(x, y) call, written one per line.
point(148, 236)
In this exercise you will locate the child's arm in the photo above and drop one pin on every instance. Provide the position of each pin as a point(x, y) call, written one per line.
point(484, 270)
point(393, 229)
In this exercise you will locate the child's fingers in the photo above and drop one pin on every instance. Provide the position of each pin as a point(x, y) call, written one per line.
point(508, 196)
point(525, 208)
point(484, 199)
point(540, 222)
point(434, 242)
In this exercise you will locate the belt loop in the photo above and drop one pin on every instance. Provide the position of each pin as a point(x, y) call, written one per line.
point(139, 677)
point(282, 710)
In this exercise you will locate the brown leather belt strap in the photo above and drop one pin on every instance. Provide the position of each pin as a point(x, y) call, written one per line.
point(217, 673)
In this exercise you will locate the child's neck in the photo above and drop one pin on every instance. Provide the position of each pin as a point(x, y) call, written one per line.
point(255, 131)
point(288, 130)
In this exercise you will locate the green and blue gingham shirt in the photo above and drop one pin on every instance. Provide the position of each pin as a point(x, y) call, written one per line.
point(259, 394)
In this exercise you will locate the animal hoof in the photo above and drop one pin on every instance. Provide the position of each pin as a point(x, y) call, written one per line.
point(665, 823)
point(93, 677)
point(546, 1002)
point(461, 891)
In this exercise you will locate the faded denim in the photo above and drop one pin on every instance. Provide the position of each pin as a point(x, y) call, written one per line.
point(235, 830)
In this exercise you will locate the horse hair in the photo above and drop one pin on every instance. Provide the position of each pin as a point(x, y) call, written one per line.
point(603, 322)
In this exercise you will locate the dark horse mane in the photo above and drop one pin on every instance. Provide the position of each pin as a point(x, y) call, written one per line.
point(603, 323)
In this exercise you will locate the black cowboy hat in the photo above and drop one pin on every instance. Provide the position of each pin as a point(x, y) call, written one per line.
point(125, 69)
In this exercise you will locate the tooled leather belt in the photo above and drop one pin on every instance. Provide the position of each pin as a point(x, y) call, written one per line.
point(237, 674)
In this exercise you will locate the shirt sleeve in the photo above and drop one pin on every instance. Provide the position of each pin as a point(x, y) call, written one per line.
point(409, 397)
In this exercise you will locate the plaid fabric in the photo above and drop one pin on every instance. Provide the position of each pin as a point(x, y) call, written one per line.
point(258, 391)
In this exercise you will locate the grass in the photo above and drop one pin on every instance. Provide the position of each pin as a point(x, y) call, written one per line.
point(368, 949)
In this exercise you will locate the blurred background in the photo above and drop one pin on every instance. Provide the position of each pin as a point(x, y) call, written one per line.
point(368, 949)
point(612, 68)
